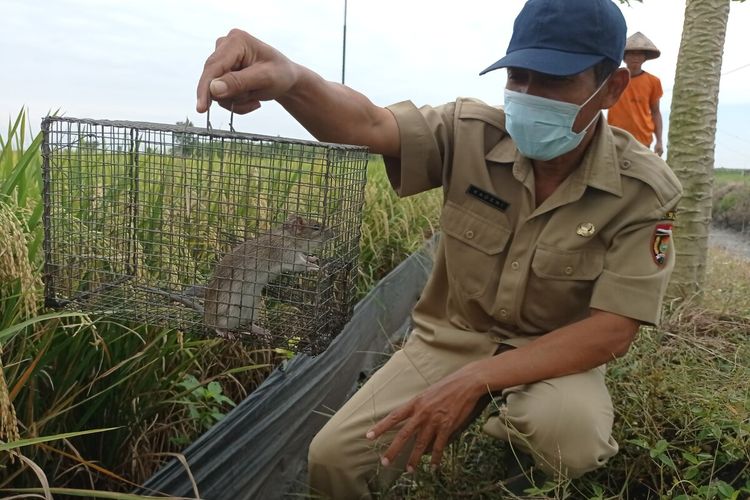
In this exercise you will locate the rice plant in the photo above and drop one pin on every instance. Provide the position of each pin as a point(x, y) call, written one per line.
point(63, 371)
point(683, 410)
point(393, 228)
point(158, 388)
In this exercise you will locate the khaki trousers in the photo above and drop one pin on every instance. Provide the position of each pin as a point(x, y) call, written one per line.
point(564, 423)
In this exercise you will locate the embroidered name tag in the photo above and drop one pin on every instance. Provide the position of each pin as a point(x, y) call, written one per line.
point(488, 198)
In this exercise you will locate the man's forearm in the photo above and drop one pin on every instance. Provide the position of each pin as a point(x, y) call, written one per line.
point(575, 348)
point(335, 113)
point(657, 125)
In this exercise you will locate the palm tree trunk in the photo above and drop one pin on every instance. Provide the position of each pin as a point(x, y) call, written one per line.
point(691, 140)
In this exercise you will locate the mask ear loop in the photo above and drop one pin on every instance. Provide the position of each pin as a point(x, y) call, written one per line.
point(588, 101)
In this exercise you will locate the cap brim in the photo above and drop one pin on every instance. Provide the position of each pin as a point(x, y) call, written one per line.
point(551, 62)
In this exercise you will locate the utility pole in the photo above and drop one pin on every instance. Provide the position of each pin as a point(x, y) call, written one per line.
point(343, 55)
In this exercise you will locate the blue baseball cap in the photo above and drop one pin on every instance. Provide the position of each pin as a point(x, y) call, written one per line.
point(565, 37)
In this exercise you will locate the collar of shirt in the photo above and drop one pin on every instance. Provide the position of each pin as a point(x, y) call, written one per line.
point(599, 167)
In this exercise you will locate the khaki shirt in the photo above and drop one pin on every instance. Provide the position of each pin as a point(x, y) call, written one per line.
point(509, 268)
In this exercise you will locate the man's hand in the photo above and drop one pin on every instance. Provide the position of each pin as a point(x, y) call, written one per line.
point(659, 148)
point(243, 71)
point(431, 418)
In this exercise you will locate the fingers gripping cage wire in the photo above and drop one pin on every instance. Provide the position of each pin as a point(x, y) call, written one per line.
point(231, 118)
point(207, 231)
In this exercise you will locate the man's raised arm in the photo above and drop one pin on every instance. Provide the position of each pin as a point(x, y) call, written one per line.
point(243, 71)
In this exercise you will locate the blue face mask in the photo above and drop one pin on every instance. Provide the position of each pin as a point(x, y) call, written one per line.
point(543, 128)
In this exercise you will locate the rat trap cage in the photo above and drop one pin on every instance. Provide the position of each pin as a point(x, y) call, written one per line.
point(202, 230)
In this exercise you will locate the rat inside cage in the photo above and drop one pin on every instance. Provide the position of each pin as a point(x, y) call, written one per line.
point(203, 230)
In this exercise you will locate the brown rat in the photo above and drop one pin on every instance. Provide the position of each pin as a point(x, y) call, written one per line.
point(233, 294)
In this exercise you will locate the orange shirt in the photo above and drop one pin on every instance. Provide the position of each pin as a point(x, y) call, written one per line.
point(632, 111)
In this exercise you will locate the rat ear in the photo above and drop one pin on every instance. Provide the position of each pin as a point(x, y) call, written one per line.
point(294, 223)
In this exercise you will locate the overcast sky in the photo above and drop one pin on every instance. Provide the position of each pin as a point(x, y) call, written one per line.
point(140, 59)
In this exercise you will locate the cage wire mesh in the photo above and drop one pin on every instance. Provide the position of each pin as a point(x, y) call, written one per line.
point(202, 230)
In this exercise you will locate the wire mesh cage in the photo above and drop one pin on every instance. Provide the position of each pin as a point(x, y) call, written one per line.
point(202, 230)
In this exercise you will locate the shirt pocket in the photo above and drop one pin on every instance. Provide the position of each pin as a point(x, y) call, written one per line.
point(473, 245)
point(558, 264)
point(559, 288)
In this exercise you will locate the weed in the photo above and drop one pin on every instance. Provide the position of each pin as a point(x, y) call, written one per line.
point(205, 402)
point(681, 393)
point(683, 412)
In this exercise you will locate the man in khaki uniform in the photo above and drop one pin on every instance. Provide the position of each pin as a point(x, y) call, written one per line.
point(555, 246)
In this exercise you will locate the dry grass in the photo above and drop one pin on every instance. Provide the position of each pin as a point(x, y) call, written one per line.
point(681, 393)
point(683, 413)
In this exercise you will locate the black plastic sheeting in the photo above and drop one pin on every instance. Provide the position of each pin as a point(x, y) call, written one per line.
point(259, 450)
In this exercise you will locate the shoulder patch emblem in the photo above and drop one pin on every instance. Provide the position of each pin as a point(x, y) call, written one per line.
point(660, 243)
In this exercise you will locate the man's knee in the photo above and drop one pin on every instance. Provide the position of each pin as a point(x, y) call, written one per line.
point(569, 434)
point(325, 449)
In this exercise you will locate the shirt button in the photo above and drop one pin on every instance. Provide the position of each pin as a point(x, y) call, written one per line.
point(503, 313)
point(568, 270)
point(625, 164)
point(469, 234)
point(515, 265)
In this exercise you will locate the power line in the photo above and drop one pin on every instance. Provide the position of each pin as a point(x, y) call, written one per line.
point(667, 91)
point(736, 69)
point(736, 137)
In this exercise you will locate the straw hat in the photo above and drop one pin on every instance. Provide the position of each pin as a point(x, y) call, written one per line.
point(639, 41)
